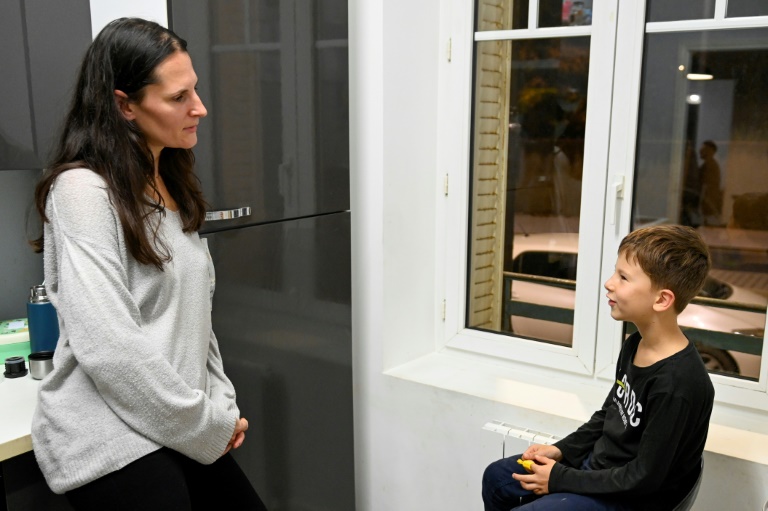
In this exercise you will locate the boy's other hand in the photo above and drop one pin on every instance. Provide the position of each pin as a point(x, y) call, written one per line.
point(538, 481)
point(547, 451)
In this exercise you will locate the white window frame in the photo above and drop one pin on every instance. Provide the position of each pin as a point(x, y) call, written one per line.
point(730, 390)
point(591, 360)
point(580, 358)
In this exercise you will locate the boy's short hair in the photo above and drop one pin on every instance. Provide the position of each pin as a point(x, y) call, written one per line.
point(674, 257)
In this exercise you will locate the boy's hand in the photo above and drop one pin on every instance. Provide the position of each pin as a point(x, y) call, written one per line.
point(548, 451)
point(538, 481)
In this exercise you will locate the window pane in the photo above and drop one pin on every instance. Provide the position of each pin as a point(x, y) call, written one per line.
point(738, 8)
point(501, 15)
point(706, 142)
point(556, 13)
point(664, 10)
point(528, 146)
point(513, 14)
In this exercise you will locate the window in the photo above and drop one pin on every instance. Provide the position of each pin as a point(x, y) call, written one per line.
point(702, 140)
point(581, 132)
point(529, 160)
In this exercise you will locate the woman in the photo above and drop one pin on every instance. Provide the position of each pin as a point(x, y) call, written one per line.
point(137, 413)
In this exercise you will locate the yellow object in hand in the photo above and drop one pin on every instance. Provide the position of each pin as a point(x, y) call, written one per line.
point(527, 465)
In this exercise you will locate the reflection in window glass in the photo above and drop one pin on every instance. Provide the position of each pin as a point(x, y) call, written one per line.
point(528, 145)
point(245, 22)
point(556, 13)
point(263, 18)
point(228, 25)
point(330, 20)
point(738, 8)
point(513, 14)
point(703, 137)
point(677, 10)
point(248, 94)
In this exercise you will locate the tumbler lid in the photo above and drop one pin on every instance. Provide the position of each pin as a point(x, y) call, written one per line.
point(37, 294)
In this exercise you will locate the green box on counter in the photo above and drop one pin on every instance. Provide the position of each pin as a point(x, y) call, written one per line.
point(14, 339)
point(17, 349)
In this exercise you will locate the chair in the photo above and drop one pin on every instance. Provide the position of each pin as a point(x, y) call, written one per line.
point(687, 503)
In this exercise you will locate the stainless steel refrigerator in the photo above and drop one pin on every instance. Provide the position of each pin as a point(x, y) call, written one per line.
point(273, 157)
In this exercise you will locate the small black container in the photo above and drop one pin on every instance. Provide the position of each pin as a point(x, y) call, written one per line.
point(15, 367)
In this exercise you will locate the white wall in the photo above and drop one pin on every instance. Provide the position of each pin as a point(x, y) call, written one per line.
point(420, 447)
point(104, 11)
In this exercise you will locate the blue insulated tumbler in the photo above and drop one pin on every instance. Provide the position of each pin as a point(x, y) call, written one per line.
point(43, 322)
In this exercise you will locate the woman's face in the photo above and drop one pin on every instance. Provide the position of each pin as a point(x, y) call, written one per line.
point(170, 110)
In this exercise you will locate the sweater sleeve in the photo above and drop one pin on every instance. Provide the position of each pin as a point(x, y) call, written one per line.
point(105, 332)
point(644, 474)
point(220, 388)
point(577, 446)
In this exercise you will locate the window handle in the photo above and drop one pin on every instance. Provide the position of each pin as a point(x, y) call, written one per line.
point(617, 193)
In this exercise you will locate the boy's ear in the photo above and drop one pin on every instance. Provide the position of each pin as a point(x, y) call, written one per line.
point(124, 105)
point(664, 300)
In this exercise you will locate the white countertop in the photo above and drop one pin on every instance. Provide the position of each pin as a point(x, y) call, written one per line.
point(18, 398)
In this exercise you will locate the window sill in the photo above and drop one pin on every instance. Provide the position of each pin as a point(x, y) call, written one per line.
point(556, 403)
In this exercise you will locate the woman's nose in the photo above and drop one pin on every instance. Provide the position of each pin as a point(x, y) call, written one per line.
point(199, 109)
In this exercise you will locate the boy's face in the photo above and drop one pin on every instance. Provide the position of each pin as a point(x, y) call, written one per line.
point(631, 294)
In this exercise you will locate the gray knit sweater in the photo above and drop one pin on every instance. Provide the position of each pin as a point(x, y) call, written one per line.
point(137, 365)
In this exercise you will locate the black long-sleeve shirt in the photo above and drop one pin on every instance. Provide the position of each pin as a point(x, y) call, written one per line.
point(647, 440)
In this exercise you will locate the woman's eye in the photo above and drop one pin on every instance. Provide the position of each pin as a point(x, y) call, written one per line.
point(178, 99)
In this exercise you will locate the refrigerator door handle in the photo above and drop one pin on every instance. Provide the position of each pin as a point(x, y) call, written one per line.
point(227, 214)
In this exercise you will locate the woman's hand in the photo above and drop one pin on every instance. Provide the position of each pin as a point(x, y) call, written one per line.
point(238, 437)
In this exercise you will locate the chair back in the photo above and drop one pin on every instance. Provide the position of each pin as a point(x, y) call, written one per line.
point(687, 503)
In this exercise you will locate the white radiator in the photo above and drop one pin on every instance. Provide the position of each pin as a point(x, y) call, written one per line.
point(510, 430)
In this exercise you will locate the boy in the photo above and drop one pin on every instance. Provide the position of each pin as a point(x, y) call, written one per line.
point(642, 450)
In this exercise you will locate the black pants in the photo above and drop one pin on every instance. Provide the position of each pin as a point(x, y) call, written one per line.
point(169, 481)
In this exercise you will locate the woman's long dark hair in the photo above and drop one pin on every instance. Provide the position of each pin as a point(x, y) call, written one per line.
point(96, 136)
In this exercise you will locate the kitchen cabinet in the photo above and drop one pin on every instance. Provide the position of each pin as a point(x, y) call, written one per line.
point(274, 77)
point(43, 44)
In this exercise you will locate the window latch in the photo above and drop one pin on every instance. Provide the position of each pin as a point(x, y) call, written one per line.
point(617, 193)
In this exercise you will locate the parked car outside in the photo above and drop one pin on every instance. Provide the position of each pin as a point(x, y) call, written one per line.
point(556, 255)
